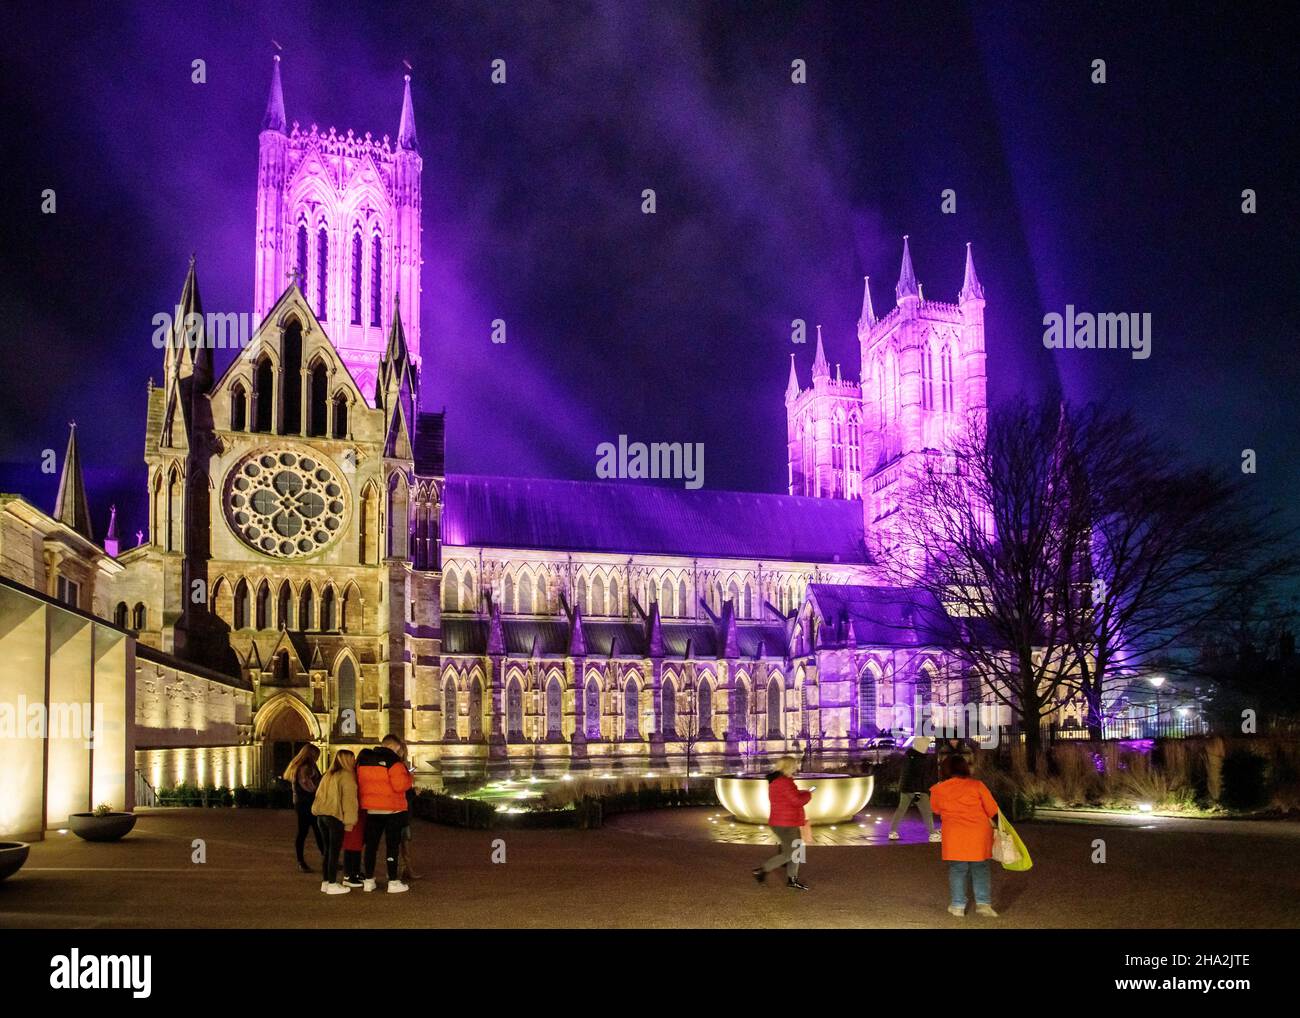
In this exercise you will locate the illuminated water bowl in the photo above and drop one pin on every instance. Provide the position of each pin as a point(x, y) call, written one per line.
point(838, 798)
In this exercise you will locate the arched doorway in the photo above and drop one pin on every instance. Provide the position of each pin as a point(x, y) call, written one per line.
point(284, 735)
point(282, 725)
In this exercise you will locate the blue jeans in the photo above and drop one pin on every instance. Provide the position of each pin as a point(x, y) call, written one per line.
point(980, 877)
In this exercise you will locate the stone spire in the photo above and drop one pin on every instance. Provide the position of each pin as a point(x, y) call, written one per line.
point(189, 352)
point(792, 390)
point(406, 130)
point(274, 119)
point(821, 369)
point(112, 544)
point(907, 286)
point(868, 312)
point(970, 287)
point(71, 507)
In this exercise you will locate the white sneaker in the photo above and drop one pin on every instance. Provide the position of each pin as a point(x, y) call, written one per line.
point(958, 912)
point(335, 889)
point(397, 887)
point(893, 835)
point(368, 885)
point(986, 910)
point(324, 886)
point(936, 836)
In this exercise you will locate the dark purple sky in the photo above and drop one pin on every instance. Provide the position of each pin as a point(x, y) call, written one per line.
point(774, 200)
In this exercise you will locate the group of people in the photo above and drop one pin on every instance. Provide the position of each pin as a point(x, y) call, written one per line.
point(941, 783)
point(362, 799)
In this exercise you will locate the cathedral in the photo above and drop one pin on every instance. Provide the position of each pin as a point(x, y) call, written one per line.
point(307, 547)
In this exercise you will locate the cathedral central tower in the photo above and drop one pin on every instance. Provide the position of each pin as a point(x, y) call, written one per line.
point(340, 215)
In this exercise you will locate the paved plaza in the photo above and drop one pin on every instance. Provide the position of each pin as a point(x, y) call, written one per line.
point(668, 868)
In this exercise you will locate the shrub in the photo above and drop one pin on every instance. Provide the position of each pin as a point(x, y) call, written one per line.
point(1244, 781)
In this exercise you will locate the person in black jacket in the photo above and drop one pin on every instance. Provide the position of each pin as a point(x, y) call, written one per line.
point(919, 773)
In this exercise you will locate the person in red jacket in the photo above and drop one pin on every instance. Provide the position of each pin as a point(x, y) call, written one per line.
point(786, 818)
point(382, 782)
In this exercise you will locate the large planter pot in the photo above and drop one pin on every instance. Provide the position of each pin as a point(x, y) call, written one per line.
point(101, 827)
point(12, 856)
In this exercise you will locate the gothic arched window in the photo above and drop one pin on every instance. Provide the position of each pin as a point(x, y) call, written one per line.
point(284, 606)
point(598, 596)
point(508, 595)
point(263, 612)
point(376, 279)
point(241, 605)
point(631, 710)
point(306, 609)
point(238, 408)
point(525, 595)
point(476, 708)
point(670, 709)
point(356, 278)
point(449, 708)
point(327, 610)
point(264, 395)
point(591, 710)
point(705, 716)
point(514, 710)
point(666, 598)
point(291, 380)
point(139, 617)
point(554, 710)
point(301, 257)
point(614, 606)
point(681, 598)
point(398, 532)
point(540, 596)
point(740, 710)
point(341, 415)
point(347, 689)
point(322, 272)
point(318, 400)
point(352, 620)
point(945, 366)
point(927, 378)
point(774, 708)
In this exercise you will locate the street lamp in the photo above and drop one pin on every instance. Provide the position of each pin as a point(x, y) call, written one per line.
point(1157, 681)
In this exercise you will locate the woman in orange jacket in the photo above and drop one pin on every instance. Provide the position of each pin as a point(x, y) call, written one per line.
point(382, 782)
point(969, 812)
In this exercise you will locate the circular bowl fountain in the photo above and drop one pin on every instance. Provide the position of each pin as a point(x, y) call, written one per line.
point(12, 856)
point(837, 799)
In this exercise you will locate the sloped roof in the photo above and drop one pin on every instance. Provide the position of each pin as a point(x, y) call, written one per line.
point(631, 518)
point(889, 616)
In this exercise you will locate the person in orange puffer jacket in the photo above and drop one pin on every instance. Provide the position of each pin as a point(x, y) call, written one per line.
point(786, 818)
point(969, 813)
point(382, 782)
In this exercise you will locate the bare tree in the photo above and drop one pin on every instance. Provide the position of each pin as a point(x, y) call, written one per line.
point(984, 531)
point(1170, 547)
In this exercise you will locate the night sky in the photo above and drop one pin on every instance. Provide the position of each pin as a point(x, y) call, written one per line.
point(774, 199)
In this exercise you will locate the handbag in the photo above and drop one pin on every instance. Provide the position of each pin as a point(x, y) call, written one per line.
point(1008, 849)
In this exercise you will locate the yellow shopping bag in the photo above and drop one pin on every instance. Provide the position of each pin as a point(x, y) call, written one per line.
point(1009, 849)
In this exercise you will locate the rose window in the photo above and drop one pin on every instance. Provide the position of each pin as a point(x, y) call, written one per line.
point(285, 503)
